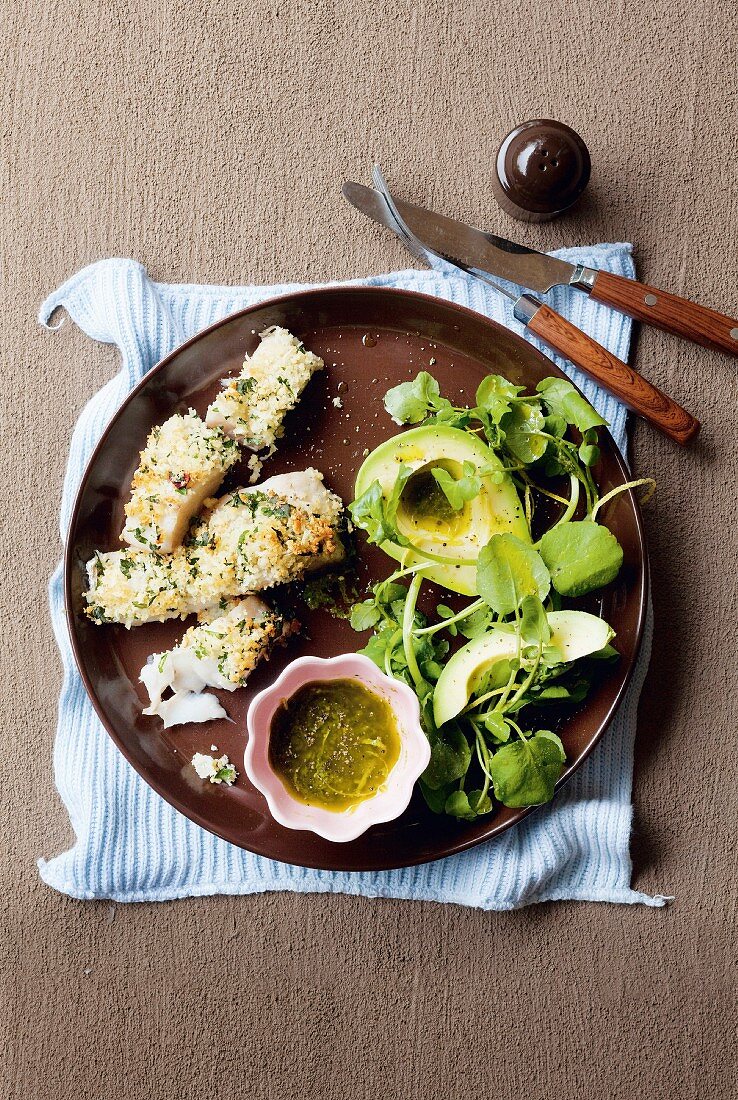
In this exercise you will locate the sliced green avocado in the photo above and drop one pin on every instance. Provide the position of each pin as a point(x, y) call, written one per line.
point(574, 634)
point(425, 516)
point(463, 672)
point(577, 634)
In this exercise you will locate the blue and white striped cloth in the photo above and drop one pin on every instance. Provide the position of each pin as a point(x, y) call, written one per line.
point(133, 846)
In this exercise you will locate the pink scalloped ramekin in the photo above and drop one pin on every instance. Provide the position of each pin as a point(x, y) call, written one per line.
point(394, 795)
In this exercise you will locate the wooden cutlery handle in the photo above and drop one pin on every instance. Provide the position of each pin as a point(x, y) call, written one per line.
point(620, 379)
point(667, 311)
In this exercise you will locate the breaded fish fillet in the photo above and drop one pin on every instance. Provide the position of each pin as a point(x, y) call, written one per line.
point(248, 540)
point(252, 406)
point(221, 652)
point(183, 463)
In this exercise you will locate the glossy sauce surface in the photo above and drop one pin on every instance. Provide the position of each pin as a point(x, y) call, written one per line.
point(334, 743)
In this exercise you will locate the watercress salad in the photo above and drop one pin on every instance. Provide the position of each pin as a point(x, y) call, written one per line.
point(484, 708)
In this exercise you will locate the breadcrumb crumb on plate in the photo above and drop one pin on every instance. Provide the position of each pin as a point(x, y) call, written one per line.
point(217, 771)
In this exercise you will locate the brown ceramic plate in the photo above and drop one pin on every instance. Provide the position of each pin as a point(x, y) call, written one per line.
point(371, 339)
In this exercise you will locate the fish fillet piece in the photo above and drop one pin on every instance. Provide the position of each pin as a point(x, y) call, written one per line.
point(221, 653)
point(182, 465)
point(252, 406)
point(188, 706)
point(248, 540)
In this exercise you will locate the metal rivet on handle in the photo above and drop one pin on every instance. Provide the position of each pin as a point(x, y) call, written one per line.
point(734, 333)
point(650, 299)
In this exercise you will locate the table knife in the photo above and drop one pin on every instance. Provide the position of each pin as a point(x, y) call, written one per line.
point(554, 330)
point(455, 241)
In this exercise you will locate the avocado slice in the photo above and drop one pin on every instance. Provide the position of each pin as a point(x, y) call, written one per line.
point(464, 671)
point(574, 634)
point(578, 634)
point(425, 516)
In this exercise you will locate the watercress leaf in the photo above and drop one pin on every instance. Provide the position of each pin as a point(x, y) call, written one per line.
point(477, 623)
point(573, 692)
point(509, 569)
point(556, 740)
point(589, 454)
point(479, 802)
point(445, 612)
point(577, 686)
point(431, 670)
point(404, 473)
point(467, 806)
point(493, 432)
point(607, 653)
point(554, 691)
point(364, 615)
point(435, 797)
point(579, 689)
point(581, 556)
point(377, 515)
point(493, 471)
point(523, 426)
point(534, 628)
point(494, 397)
point(524, 773)
point(496, 676)
point(555, 425)
point(458, 490)
point(457, 805)
point(496, 726)
point(368, 512)
point(552, 464)
point(494, 386)
point(396, 608)
point(445, 413)
point(552, 657)
point(449, 486)
point(450, 757)
point(389, 591)
point(424, 692)
point(376, 648)
point(563, 399)
point(408, 403)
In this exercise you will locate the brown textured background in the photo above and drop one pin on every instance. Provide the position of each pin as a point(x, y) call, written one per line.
point(209, 141)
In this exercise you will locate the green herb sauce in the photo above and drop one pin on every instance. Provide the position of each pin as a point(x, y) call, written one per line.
point(424, 505)
point(334, 743)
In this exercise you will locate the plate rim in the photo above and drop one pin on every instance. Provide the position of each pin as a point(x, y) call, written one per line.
point(454, 846)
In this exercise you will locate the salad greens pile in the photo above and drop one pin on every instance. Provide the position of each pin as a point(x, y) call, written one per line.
point(497, 743)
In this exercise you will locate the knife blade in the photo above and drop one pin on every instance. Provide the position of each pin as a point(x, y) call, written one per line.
point(463, 244)
point(459, 243)
point(553, 329)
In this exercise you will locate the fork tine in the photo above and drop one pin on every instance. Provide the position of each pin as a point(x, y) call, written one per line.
point(416, 247)
point(408, 238)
